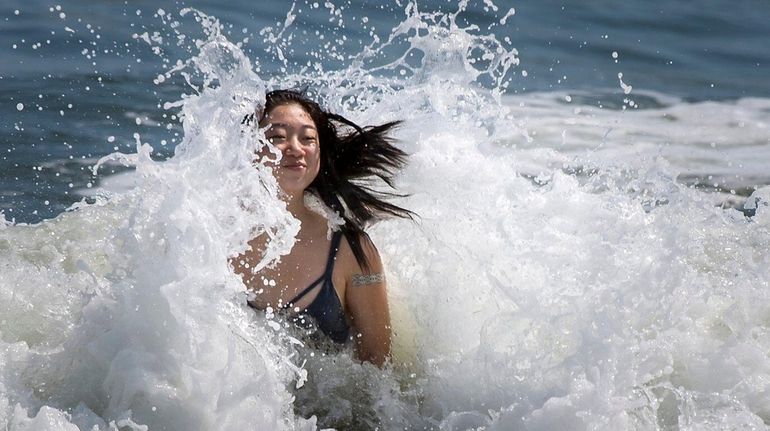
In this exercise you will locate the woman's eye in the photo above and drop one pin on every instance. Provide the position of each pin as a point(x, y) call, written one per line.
point(276, 138)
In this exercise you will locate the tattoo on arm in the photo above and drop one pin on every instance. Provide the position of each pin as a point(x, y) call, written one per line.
point(366, 279)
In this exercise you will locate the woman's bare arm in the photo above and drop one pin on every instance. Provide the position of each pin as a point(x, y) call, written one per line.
point(367, 304)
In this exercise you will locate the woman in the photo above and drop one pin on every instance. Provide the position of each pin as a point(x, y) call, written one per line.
point(336, 284)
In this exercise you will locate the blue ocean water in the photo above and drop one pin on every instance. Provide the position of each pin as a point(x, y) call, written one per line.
point(76, 84)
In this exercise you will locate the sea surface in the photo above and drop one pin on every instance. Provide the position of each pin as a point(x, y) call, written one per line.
point(592, 181)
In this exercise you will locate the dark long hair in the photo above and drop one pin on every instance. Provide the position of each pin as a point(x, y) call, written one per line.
point(351, 157)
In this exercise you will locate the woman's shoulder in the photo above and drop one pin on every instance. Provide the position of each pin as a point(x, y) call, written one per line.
point(373, 261)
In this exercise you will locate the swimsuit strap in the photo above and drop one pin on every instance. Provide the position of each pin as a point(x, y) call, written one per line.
point(327, 275)
point(336, 240)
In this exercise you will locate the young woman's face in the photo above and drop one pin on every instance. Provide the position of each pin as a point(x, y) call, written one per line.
point(293, 132)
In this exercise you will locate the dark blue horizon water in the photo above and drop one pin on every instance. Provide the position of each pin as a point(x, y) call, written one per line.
point(83, 80)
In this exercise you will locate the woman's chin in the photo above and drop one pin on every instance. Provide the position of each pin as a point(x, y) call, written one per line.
point(293, 184)
point(293, 188)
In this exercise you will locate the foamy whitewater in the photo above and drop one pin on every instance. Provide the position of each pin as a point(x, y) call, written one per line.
point(566, 271)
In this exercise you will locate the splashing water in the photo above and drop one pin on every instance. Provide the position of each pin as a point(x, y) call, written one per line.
point(542, 288)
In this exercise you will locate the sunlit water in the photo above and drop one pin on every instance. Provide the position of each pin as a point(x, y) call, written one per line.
point(571, 267)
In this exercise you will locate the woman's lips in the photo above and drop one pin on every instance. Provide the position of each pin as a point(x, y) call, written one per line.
point(294, 166)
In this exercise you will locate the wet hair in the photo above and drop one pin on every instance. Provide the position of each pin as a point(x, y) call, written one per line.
point(351, 158)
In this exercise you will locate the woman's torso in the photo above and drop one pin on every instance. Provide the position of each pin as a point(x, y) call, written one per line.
point(316, 270)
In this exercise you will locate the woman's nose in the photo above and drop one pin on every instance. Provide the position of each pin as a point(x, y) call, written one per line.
point(293, 146)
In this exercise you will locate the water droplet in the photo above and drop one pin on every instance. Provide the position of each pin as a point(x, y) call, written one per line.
point(19, 106)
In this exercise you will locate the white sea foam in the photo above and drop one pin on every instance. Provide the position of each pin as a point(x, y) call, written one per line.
point(527, 295)
point(722, 145)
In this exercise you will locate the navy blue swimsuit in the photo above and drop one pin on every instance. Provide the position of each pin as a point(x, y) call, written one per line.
point(326, 309)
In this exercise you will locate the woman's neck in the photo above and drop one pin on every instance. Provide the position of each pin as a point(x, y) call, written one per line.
point(296, 206)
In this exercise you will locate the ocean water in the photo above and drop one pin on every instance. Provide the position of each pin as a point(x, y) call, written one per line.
point(591, 183)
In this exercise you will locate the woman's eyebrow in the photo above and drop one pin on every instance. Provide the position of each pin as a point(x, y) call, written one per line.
point(277, 125)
